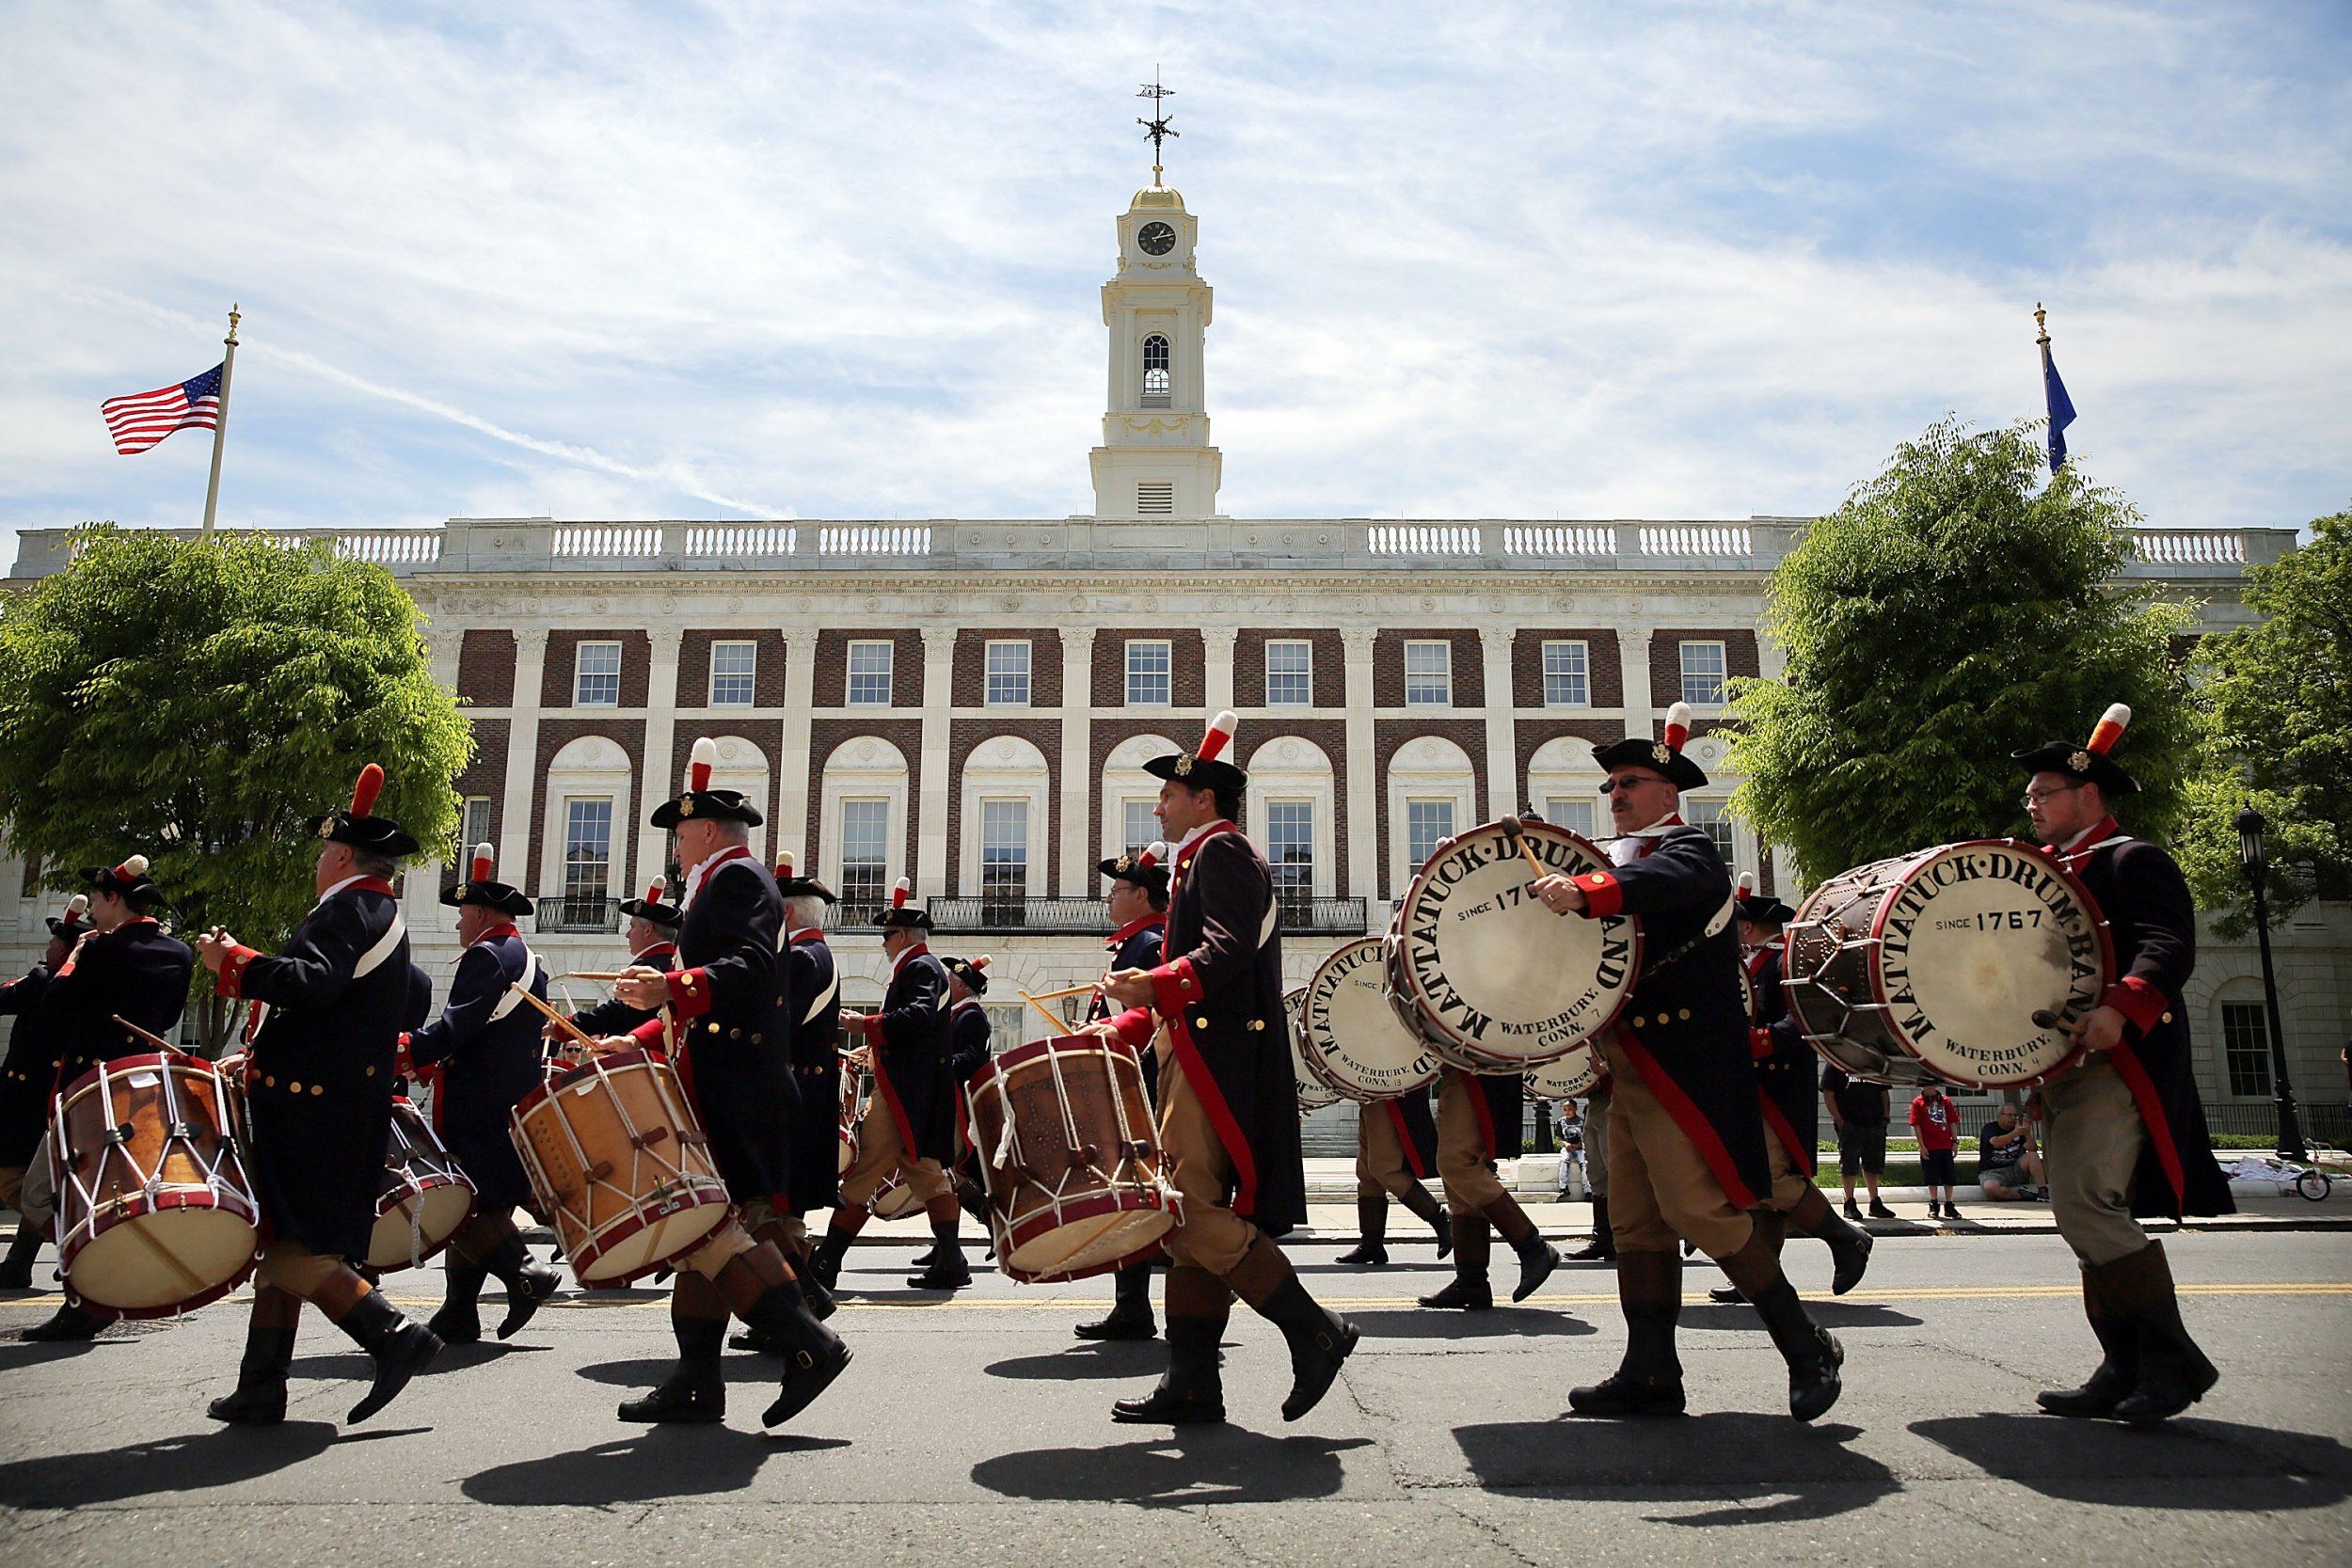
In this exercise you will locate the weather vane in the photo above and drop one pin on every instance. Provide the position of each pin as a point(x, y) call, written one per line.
point(1156, 127)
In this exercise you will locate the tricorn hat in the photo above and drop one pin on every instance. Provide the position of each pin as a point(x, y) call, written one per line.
point(74, 921)
point(1659, 756)
point(1147, 868)
point(699, 799)
point(1205, 766)
point(912, 916)
point(793, 885)
point(651, 906)
point(129, 881)
point(1760, 909)
point(358, 827)
point(972, 972)
point(2090, 761)
point(480, 887)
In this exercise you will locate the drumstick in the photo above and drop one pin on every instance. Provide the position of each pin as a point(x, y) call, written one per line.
point(1518, 842)
point(1066, 990)
point(1041, 1008)
point(593, 974)
point(156, 1041)
point(2044, 1019)
point(578, 1033)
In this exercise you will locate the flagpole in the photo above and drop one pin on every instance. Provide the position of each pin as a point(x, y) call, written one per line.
point(220, 429)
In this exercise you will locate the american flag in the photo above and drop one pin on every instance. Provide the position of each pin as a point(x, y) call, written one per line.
point(139, 421)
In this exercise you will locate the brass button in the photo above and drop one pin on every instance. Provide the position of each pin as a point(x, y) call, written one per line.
point(1199, 1023)
point(2168, 1018)
point(1637, 1020)
point(318, 1089)
point(732, 1034)
point(270, 1080)
point(371, 1072)
point(293, 1086)
point(1684, 1015)
point(713, 1028)
point(755, 1040)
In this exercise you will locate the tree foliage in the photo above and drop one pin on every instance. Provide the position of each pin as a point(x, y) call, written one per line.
point(1949, 613)
point(198, 701)
point(2279, 694)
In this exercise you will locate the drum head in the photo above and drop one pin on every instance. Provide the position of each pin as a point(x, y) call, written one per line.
point(164, 1259)
point(401, 1238)
point(1351, 1038)
point(1497, 981)
point(1084, 1246)
point(1565, 1077)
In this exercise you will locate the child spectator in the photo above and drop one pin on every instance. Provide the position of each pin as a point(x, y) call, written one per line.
point(1935, 1119)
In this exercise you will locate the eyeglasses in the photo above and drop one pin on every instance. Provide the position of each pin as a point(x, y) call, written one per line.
point(1614, 785)
point(2035, 797)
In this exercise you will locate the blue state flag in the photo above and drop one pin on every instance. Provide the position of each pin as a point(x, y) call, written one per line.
point(2061, 407)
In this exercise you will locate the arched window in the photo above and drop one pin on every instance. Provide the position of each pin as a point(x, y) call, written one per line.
point(1001, 858)
point(1430, 789)
point(863, 807)
point(1155, 382)
point(1291, 808)
point(1127, 794)
point(1562, 787)
point(587, 815)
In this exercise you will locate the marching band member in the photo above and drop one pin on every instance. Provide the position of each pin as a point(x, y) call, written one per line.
point(1136, 902)
point(734, 1057)
point(1478, 1123)
point(812, 992)
point(652, 937)
point(967, 1053)
point(2123, 1132)
point(915, 1139)
point(124, 963)
point(485, 1047)
point(319, 1098)
point(1396, 1149)
point(1228, 1105)
point(1686, 1139)
point(26, 1080)
point(1784, 1088)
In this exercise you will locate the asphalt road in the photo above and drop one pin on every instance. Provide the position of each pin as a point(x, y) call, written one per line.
point(975, 1431)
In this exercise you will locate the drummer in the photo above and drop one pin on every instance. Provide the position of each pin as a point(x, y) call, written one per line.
point(319, 1100)
point(484, 1052)
point(967, 1053)
point(1686, 1139)
point(734, 1057)
point(24, 1084)
point(907, 1046)
point(1396, 1150)
point(1229, 1098)
point(1136, 902)
point(1478, 1123)
point(652, 937)
point(812, 991)
point(123, 964)
point(2123, 1132)
point(1784, 1089)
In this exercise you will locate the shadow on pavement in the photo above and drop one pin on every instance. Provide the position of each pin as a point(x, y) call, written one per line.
point(1193, 1466)
point(218, 1456)
point(1439, 1322)
point(741, 1367)
point(1122, 1358)
point(22, 1353)
point(1829, 1314)
point(1733, 1450)
point(2107, 1462)
point(660, 1461)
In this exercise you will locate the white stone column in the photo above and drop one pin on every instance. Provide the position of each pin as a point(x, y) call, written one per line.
point(522, 754)
point(793, 761)
point(1078, 812)
point(655, 783)
point(932, 847)
point(1633, 670)
point(1363, 791)
point(1503, 784)
point(1218, 643)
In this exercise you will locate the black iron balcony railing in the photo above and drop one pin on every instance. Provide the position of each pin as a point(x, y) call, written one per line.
point(570, 913)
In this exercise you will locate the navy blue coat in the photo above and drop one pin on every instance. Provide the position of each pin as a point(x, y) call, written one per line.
point(30, 1070)
point(486, 1044)
point(967, 1040)
point(134, 969)
point(1784, 1074)
point(1136, 949)
point(914, 1070)
point(812, 999)
point(320, 1095)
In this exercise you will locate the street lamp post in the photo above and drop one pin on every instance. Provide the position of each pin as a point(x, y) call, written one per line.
point(2249, 841)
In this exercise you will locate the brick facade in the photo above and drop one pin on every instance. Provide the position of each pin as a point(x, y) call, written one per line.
point(826, 736)
point(1534, 733)
point(556, 675)
point(765, 734)
point(1387, 667)
point(694, 667)
point(1604, 676)
point(967, 685)
point(831, 686)
point(485, 669)
point(1665, 659)
point(1045, 735)
point(1387, 735)
point(1187, 666)
point(486, 775)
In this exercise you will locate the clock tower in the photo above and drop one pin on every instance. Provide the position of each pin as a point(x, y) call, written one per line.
point(1155, 459)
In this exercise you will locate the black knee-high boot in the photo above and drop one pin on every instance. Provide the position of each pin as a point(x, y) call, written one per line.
point(260, 1399)
point(696, 1390)
point(947, 1270)
point(1648, 1382)
point(528, 1283)
point(459, 1321)
point(1430, 1212)
point(1469, 1289)
point(1130, 1308)
point(1371, 1227)
point(1192, 1391)
point(16, 1269)
point(1603, 1245)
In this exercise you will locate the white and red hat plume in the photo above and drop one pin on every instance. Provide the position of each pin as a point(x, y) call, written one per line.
point(698, 799)
point(651, 906)
point(1663, 755)
point(127, 879)
point(482, 886)
point(1205, 766)
point(903, 910)
point(358, 826)
point(2093, 761)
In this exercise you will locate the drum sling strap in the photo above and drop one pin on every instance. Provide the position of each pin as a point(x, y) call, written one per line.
point(514, 998)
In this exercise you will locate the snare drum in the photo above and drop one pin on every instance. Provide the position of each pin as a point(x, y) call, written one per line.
point(423, 1196)
point(1494, 981)
point(1066, 1145)
point(1569, 1077)
point(1928, 968)
point(156, 1213)
point(1312, 1093)
point(1350, 1038)
point(617, 1157)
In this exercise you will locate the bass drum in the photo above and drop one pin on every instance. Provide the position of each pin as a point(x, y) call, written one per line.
point(1493, 980)
point(1569, 1077)
point(1313, 1094)
point(1928, 968)
point(1351, 1039)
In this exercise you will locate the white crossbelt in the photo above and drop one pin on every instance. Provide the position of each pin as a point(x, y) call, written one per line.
point(386, 945)
point(514, 998)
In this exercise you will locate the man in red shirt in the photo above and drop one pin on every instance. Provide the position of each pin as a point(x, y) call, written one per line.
point(1933, 1117)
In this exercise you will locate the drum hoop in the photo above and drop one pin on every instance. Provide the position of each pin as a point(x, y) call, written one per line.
point(1095, 1204)
point(1311, 1050)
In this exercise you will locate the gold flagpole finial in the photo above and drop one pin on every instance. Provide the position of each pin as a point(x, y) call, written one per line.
point(2041, 323)
point(233, 313)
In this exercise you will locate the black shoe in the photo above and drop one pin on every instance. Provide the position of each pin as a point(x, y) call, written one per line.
point(526, 1294)
point(688, 1394)
point(755, 1341)
point(1879, 1210)
point(1470, 1295)
point(1192, 1393)
point(16, 1269)
point(1597, 1250)
point(400, 1349)
point(820, 1302)
point(824, 1264)
point(1951, 1211)
point(1320, 1342)
point(949, 1273)
point(1620, 1395)
point(1365, 1254)
point(1849, 1254)
point(459, 1321)
point(260, 1399)
point(1853, 1209)
point(2107, 1388)
point(70, 1325)
point(1162, 1407)
point(1812, 1352)
point(1537, 1258)
point(811, 1369)
point(1726, 1296)
point(1443, 1227)
point(1124, 1322)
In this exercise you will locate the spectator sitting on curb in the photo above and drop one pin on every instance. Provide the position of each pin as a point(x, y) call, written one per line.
point(2007, 1167)
point(1936, 1120)
point(1858, 1111)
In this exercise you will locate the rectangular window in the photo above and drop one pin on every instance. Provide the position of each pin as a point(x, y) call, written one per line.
point(477, 823)
point(1575, 815)
point(1566, 682)
point(31, 888)
point(1147, 675)
point(1290, 850)
point(1713, 815)
point(1290, 674)
point(1008, 674)
point(1702, 673)
point(587, 853)
point(865, 860)
point(1143, 828)
point(1429, 675)
point(596, 675)
point(1155, 498)
point(733, 667)
point(2246, 1047)
point(1004, 852)
point(1427, 823)
point(870, 674)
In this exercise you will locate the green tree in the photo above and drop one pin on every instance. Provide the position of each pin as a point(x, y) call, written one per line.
point(2280, 693)
point(1951, 611)
point(197, 701)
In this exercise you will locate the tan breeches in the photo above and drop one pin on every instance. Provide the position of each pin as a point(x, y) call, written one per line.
point(2091, 1141)
point(27, 1190)
point(1659, 1187)
point(1211, 1235)
point(1790, 1184)
point(288, 1265)
point(1471, 1186)
point(1380, 1152)
point(880, 1151)
point(730, 1241)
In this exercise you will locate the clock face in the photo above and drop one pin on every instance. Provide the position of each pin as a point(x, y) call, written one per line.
point(1156, 238)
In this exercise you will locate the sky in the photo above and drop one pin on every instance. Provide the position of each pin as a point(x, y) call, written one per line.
point(726, 260)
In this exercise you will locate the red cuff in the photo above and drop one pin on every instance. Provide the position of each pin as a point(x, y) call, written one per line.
point(690, 991)
point(1174, 988)
point(1134, 1026)
point(1759, 1043)
point(232, 972)
point(2137, 1000)
point(1603, 897)
point(647, 1034)
point(404, 1064)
